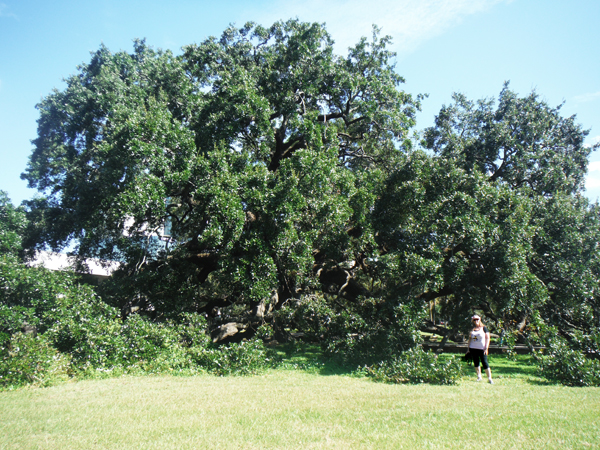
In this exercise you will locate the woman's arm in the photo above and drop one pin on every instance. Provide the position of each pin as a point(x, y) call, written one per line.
point(487, 343)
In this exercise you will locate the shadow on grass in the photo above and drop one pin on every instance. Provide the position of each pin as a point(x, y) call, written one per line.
point(542, 382)
point(521, 367)
point(524, 366)
point(310, 358)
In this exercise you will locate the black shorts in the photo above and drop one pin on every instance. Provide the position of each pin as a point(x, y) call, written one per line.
point(479, 355)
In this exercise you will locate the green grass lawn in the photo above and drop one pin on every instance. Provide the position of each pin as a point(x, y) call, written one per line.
point(321, 407)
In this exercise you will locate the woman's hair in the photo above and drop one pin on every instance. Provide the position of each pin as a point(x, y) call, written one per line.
point(480, 322)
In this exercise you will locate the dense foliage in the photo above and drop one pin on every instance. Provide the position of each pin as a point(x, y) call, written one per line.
point(259, 185)
point(537, 158)
point(417, 366)
point(227, 180)
point(563, 364)
point(53, 327)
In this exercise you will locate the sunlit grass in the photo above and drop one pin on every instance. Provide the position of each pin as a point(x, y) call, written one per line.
point(298, 409)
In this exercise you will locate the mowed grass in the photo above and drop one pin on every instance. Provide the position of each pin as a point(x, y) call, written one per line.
point(299, 409)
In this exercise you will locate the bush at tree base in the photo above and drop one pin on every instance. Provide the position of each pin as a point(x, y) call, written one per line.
point(29, 359)
point(562, 364)
point(244, 358)
point(77, 334)
point(142, 348)
point(417, 366)
point(358, 333)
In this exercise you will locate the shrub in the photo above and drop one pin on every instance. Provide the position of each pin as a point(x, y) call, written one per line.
point(417, 366)
point(567, 366)
point(12, 320)
point(153, 347)
point(47, 300)
point(245, 358)
point(193, 330)
point(587, 342)
point(27, 359)
point(358, 333)
point(72, 320)
point(137, 345)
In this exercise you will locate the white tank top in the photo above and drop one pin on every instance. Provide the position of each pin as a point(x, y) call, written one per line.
point(478, 338)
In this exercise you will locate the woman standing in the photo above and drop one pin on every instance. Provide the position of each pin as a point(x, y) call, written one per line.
point(479, 343)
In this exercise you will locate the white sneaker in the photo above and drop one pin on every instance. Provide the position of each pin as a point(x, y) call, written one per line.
point(490, 380)
point(478, 378)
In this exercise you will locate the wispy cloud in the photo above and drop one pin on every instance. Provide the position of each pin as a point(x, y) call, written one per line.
point(594, 166)
point(592, 187)
point(586, 98)
point(592, 180)
point(410, 22)
point(592, 141)
point(4, 11)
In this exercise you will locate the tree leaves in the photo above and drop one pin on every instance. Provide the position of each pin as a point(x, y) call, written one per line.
point(524, 142)
point(260, 167)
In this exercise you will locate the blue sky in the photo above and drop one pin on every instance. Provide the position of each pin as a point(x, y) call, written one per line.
point(443, 46)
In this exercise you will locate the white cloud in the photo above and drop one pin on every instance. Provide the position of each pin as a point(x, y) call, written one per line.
point(410, 22)
point(592, 191)
point(4, 13)
point(594, 166)
point(586, 98)
point(591, 142)
point(592, 181)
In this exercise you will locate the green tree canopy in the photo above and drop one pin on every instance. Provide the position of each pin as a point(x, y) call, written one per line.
point(522, 142)
point(259, 178)
point(12, 226)
point(259, 152)
point(543, 257)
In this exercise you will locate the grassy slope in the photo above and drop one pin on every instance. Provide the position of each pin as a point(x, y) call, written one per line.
point(297, 409)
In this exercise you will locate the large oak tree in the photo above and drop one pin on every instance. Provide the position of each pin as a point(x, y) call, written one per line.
point(228, 179)
point(261, 178)
point(495, 220)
